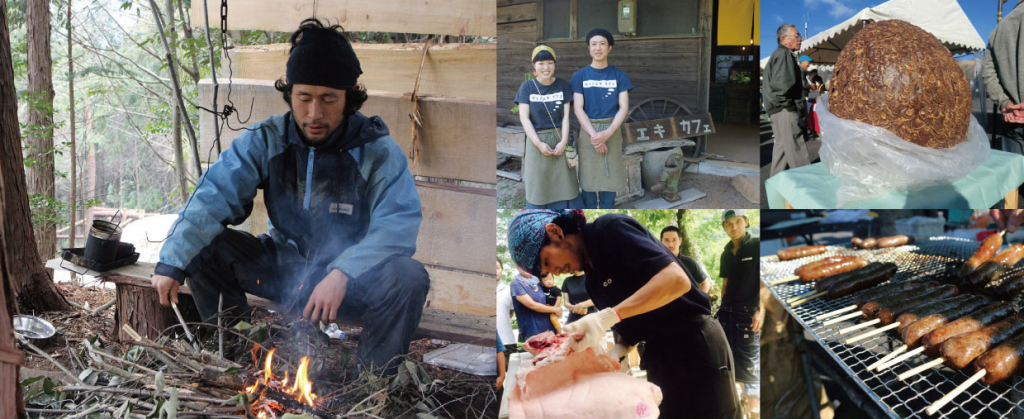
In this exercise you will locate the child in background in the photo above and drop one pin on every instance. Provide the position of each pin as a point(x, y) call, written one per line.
point(553, 296)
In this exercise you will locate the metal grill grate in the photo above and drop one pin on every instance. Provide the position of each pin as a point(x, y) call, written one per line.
point(937, 259)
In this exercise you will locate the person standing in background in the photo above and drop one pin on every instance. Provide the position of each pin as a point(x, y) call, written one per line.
point(784, 102)
point(741, 312)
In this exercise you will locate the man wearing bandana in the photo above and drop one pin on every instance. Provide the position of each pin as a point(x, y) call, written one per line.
point(343, 212)
point(645, 295)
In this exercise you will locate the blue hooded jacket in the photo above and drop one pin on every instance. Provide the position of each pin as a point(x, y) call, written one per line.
point(347, 204)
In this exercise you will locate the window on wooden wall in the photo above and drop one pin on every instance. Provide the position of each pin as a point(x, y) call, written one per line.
point(556, 19)
point(655, 18)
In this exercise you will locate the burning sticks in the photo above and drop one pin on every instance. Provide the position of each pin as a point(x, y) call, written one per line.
point(275, 394)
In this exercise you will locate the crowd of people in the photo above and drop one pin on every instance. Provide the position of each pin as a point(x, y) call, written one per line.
point(654, 299)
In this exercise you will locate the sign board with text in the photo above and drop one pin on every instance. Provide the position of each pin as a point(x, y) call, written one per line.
point(668, 128)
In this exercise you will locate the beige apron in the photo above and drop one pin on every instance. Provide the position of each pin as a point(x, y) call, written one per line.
point(548, 178)
point(601, 172)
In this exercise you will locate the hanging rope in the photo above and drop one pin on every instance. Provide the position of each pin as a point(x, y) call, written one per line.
point(415, 118)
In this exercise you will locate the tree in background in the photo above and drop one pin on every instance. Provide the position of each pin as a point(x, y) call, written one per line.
point(33, 288)
point(39, 129)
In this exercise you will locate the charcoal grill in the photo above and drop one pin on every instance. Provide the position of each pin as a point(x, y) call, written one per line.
point(935, 258)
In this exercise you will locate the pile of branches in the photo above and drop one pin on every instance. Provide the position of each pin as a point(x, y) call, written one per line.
point(170, 378)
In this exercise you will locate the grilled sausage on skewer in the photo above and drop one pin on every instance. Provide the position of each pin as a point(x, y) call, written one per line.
point(961, 350)
point(983, 254)
point(799, 252)
point(806, 269)
point(893, 241)
point(833, 269)
point(914, 332)
point(888, 314)
point(842, 288)
point(871, 307)
point(989, 315)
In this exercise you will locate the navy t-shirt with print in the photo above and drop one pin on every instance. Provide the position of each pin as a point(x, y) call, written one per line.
point(600, 90)
point(554, 97)
point(531, 322)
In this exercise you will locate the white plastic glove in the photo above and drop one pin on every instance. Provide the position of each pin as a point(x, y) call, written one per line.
point(590, 330)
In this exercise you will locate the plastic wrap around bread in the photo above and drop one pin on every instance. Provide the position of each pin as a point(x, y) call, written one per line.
point(897, 76)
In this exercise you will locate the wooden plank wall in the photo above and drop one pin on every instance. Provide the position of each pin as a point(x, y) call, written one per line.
point(454, 137)
point(449, 17)
point(661, 67)
point(454, 70)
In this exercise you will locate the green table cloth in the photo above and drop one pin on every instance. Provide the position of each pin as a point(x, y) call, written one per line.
point(813, 187)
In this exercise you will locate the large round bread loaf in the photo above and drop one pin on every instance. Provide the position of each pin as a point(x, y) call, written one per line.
point(897, 76)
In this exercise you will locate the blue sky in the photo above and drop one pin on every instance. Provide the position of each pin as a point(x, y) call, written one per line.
point(824, 14)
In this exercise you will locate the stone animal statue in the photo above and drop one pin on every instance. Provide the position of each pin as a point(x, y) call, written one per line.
point(668, 187)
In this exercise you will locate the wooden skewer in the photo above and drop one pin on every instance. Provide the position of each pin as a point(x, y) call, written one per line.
point(841, 318)
point(927, 366)
point(784, 280)
point(859, 326)
point(888, 357)
point(796, 298)
point(835, 312)
point(956, 392)
point(900, 358)
point(877, 331)
point(796, 303)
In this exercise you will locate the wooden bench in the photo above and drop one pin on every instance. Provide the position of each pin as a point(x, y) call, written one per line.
point(138, 306)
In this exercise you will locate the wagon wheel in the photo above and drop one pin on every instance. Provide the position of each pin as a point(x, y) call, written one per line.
point(663, 107)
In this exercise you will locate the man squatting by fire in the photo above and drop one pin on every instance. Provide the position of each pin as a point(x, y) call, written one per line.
point(343, 211)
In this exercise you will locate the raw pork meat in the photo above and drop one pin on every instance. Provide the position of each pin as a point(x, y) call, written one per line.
point(562, 382)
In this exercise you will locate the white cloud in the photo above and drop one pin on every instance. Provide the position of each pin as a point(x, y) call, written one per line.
point(779, 19)
point(836, 8)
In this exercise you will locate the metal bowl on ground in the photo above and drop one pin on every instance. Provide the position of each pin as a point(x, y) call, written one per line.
point(34, 328)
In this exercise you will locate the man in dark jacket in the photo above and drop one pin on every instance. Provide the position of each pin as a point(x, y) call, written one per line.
point(784, 102)
point(342, 207)
point(1003, 73)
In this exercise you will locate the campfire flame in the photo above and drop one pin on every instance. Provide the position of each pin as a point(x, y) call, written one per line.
point(301, 389)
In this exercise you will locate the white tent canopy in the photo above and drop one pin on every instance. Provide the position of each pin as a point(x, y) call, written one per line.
point(942, 18)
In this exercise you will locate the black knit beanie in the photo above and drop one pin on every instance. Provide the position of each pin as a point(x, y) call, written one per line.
point(323, 57)
point(601, 32)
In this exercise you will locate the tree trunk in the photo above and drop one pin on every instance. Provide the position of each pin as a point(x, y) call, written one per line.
point(179, 157)
point(12, 404)
point(73, 209)
point(40, 117)
point(686, 245)
point(33, 288)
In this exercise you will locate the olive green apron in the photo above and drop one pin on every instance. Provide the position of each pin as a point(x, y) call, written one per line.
point(548, 178)
point(601, 172)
